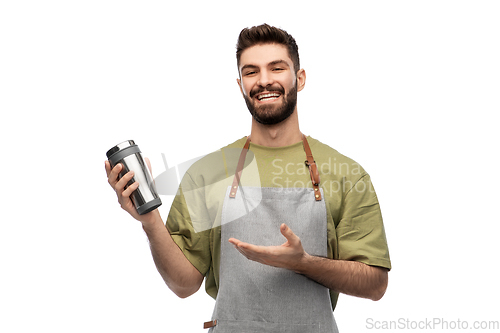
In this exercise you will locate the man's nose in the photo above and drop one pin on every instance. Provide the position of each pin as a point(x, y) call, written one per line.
point(265, 79)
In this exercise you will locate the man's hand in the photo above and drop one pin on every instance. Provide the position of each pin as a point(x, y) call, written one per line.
point(349, 277)
point(288, 255)
point(118, 184)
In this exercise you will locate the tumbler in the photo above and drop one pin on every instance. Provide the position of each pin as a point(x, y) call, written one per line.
point(145, 197)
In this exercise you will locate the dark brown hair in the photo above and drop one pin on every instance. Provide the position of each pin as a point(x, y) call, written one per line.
point(266, 34)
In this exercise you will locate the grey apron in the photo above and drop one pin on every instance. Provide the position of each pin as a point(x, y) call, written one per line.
point(254, 297)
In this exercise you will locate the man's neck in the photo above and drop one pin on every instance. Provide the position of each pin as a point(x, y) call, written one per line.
point(279, 135)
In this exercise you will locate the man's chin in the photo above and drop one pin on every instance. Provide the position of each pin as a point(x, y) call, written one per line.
point(271, 117)
point(272, 113)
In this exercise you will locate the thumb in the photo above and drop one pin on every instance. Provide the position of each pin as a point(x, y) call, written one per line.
point(289, 234)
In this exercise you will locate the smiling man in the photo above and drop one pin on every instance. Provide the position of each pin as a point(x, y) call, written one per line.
point(274, 256)
point(265, 81)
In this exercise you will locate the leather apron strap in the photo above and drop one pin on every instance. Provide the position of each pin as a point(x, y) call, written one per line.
point(239, 169)
point(310, 163)
point(313, 169)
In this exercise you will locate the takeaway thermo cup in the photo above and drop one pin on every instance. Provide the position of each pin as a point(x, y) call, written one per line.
point(127, 153)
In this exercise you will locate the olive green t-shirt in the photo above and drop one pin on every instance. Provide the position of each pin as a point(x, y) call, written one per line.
point(355, 229)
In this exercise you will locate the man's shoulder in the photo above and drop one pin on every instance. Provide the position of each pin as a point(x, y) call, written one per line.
point(323, 150)
point(329, 158)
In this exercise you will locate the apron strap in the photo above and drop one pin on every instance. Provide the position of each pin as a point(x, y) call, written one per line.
point(313, 169)
point(310, 163)
point(239, 169)
point(209, 324)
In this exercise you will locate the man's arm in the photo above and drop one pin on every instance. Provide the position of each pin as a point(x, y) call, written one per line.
point(176, 270)
point(347, 277)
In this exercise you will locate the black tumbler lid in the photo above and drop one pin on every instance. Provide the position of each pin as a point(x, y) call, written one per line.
point(120, 146)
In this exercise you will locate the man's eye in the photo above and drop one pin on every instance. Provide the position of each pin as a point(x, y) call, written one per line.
point(277, 69)
point(249, 73)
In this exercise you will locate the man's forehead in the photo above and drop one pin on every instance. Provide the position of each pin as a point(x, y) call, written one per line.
point(265, 54)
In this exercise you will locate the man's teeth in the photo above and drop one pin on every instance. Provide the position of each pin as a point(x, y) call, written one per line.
point(268, 96)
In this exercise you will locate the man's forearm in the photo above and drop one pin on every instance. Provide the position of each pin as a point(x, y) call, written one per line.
point(347, 277)
point(177, 272)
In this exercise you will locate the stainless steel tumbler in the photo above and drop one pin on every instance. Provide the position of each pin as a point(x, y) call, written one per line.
point(127, 153)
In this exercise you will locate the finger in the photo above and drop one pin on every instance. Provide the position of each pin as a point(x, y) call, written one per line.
point(241, 244)
point(113, 175)
point(249, 254)
point(241, 251)
point(120, 185)
point(126, 193)
point(288, 233)
point(250, 248)
point(242, 247)
point(234, 241)
point(107, 166)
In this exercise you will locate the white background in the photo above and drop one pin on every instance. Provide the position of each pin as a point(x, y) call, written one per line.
point(408, 89)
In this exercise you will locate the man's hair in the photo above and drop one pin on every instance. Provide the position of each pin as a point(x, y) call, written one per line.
point(266, 34)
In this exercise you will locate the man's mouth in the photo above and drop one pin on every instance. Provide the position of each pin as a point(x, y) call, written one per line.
point(265, 97)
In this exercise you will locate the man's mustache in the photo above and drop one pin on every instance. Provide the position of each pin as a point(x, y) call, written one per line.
point(277, 89)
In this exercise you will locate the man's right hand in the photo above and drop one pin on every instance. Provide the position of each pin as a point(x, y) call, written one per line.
point(118, 184)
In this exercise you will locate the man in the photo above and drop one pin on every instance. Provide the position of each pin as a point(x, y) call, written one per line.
point(278, 242)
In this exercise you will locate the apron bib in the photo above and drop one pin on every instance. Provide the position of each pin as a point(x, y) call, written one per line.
point(257, 298)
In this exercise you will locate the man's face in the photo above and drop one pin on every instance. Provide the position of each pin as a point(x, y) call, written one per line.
point(268, 82)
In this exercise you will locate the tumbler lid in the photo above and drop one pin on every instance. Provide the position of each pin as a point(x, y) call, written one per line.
point(120, 146)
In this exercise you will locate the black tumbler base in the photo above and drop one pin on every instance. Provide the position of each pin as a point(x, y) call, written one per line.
point(149, 206)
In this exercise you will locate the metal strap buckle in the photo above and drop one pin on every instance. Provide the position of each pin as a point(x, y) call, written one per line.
point(307, 163)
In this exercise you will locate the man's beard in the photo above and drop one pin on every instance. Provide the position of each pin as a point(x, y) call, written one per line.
point(273, 114)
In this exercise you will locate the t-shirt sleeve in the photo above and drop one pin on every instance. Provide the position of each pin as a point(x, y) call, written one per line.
point(360, 232)
point(195, 245)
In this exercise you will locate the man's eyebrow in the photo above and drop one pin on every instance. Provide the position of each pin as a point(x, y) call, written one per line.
point(278, 62)
point(272, 63)
point(247, 66)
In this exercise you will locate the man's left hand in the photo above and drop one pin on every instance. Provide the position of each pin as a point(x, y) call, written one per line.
point(288, 255)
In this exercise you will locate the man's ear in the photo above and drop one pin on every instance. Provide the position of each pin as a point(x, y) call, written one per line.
point(301, 79)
